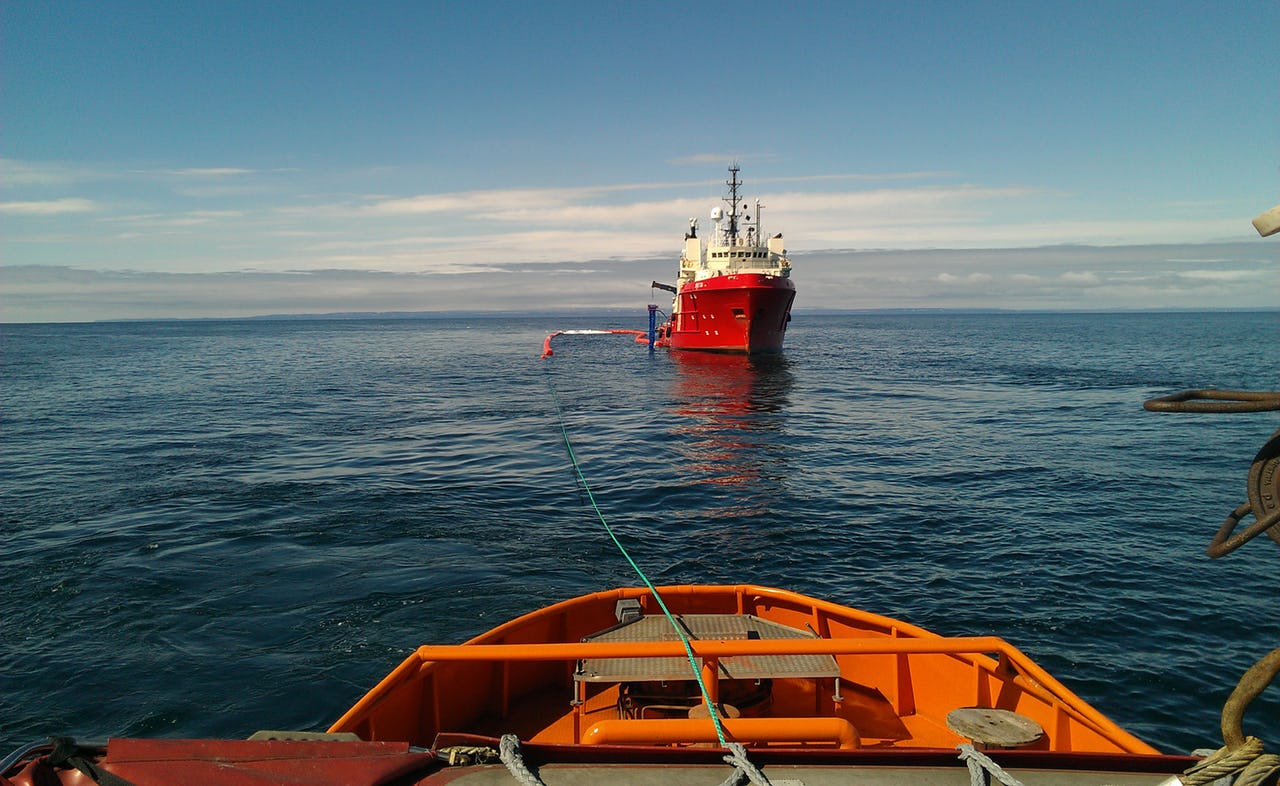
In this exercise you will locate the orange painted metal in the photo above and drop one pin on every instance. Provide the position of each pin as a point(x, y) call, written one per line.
point(721, 648)
point(805, 731)
point(898, 681)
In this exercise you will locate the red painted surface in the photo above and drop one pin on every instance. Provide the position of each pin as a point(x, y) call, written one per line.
point(738, 312)
point(245, 763)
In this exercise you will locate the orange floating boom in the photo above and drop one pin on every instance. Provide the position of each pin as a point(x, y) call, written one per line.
point(546, 344)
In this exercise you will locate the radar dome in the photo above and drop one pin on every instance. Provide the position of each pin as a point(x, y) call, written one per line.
point(717, 213)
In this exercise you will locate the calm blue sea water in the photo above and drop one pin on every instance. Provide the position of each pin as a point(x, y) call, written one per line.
point(216, 527)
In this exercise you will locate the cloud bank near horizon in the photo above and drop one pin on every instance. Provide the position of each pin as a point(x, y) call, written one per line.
point(1174, 276)
point(215, 219)
point(88, 242)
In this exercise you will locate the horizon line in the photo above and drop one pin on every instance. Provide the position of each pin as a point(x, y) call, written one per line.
point(586, 311)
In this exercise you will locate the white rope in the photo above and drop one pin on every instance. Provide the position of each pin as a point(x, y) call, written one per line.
point(742, 767)
point(509, 752)
point(980, 764)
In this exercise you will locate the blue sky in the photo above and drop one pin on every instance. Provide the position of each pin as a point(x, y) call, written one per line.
point(227, 159)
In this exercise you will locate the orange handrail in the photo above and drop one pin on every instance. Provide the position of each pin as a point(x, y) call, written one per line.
point(832, 731)
point(718, 648)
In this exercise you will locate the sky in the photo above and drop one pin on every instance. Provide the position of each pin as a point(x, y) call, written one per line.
point(170, 160)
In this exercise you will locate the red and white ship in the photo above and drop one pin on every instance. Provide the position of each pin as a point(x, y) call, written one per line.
point(734, 294)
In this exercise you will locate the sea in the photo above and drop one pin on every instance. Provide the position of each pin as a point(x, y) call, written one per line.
point(214, 527)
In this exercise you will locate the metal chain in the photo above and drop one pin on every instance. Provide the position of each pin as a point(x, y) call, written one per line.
point(1261, 472)
point(1216, 401)
point(467, 755)
point(1241, 756)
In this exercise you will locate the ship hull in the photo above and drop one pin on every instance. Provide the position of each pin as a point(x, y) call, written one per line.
point(743, 313)
point(597, 689)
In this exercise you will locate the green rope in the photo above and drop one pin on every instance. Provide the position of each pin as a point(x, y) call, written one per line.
point(688, 648)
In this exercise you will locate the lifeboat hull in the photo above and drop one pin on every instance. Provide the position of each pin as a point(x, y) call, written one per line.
point(597, 690)
point(584, 674)
point(736, 312)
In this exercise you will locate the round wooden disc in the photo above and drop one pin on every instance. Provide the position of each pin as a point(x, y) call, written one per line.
point(996, 728)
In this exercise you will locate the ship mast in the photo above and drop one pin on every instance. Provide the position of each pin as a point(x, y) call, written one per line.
point(733, 203)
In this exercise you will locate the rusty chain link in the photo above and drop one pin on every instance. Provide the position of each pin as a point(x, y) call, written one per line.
point(1216, 401)
point(1264, 479)
point(1241, 756)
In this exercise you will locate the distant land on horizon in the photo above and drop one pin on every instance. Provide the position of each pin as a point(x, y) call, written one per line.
point(621, 312)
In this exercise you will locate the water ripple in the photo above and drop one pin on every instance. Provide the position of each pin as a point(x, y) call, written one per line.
point(213, 527)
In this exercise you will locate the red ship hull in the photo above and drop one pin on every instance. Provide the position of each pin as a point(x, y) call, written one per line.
point(742, 313)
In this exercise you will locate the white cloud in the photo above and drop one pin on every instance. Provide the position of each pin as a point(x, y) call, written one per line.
point(433, 278)
point(190, 218)
point(437, 254)
point(50, 207)
point(475, 202)
point(929, 215)
point(25, 173)
point(1086, 278)
point(723, 159)
point(987, 253)
point(1224, 275)
point(207, 172)
point(971, 279)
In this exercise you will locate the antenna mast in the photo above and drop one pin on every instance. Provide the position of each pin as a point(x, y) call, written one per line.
point(733, 203)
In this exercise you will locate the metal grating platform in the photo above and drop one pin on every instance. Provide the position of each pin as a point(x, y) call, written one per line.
point(697, 627)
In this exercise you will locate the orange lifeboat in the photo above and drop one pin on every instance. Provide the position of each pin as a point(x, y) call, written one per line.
point(610, 669)
point(629, 687)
